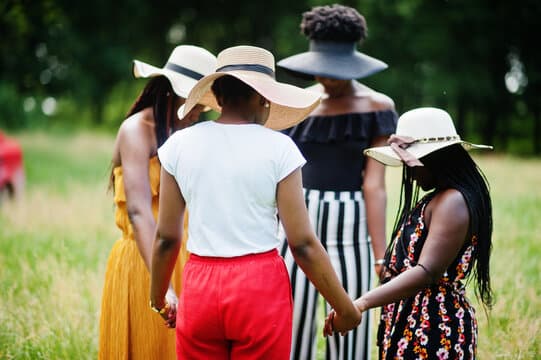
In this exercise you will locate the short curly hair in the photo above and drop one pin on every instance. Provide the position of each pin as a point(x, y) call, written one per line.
point(334, 23)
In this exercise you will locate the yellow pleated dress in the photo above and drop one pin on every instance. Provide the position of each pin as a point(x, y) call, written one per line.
point(129, 329)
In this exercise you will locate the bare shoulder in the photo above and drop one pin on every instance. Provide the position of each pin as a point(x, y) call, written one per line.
point(380, 101)
point(377, 101)
point(136, 133)
point(451, 205)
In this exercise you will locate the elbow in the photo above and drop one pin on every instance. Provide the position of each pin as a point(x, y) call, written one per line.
point(165, 243)
point(134, 214)
point(374, 187)
point(429, 277)
point(301, 249)
point(305, 247)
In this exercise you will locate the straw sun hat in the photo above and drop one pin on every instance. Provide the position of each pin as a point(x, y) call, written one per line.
point(186, 65)
point(254, 66)
point(419, 132)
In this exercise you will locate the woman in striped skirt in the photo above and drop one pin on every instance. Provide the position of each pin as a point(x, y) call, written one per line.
point(344, 191)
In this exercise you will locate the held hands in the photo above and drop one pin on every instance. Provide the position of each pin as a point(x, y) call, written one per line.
point(170, 316)
point(342, 323)
point(169, 310)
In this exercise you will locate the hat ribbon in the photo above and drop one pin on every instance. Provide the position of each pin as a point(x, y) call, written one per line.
point(184, 71)
point(247, 67)
point(399, 144)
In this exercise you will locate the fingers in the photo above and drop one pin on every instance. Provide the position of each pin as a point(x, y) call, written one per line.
point(170, 318)
point(328, 328)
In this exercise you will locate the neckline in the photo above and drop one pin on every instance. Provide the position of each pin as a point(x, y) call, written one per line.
point(233, 124)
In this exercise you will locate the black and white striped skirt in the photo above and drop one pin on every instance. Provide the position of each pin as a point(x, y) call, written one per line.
point(339, 220)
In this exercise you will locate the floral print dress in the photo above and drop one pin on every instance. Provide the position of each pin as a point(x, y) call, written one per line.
point(438, 322)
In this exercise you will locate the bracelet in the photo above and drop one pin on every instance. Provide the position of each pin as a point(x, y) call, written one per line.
point(379, 262)
point(158, 310)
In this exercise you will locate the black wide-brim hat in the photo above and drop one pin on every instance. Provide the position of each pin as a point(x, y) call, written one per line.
point(330, 59)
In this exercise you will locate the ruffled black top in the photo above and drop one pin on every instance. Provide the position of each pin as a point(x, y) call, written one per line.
point(333, 147)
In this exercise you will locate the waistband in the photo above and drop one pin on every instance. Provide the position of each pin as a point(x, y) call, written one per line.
point(235, 259)
point(329, 195)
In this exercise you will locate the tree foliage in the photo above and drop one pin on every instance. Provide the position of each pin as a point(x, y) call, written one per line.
point(476, 58)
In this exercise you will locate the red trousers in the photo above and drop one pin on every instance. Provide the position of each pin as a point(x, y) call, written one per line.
point(235, 308)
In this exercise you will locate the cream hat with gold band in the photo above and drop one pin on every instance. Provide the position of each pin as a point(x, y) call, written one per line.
point(430, 129)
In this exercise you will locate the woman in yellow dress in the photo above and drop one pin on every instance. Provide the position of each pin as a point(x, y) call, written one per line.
point(128, 327)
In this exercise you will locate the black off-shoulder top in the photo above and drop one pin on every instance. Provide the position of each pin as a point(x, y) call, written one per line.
point(333, 147)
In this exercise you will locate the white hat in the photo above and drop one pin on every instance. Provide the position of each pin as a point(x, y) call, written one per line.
point(427, 130)
point(255, 67)
point(186, 65)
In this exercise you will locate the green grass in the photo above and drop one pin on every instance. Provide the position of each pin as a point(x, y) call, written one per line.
point(55, 242)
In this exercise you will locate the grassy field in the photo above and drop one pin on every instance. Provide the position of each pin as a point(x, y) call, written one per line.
point(54, 245)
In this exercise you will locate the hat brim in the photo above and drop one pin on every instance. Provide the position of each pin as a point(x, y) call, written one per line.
point(387, 156)
point(289, 104)
point(181, 84)
point(342, 66)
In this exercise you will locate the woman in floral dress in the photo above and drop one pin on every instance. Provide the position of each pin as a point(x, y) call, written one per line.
point(438, 242)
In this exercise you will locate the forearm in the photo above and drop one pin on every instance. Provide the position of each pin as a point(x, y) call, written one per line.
point(164, 257)
point(375, 203)
point(403, 286)
point(315, 263)
point(144, 232)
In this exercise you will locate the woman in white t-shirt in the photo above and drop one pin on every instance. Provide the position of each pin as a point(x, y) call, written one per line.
point(236, 176)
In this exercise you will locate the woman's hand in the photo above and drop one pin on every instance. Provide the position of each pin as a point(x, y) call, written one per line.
point(170, 316)
point(341, 323)
point(379, 269)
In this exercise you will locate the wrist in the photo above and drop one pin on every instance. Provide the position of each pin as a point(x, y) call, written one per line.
point(159, 306)
point(361, 304)
point(379, 262)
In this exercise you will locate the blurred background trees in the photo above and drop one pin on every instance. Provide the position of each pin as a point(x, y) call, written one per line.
point(67, 64)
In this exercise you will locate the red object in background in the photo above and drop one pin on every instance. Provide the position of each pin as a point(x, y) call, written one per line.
point(11, 167)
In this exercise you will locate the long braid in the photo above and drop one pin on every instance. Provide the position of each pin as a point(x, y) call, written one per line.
point(409, 195)
point(454, 168)
point(159, 95)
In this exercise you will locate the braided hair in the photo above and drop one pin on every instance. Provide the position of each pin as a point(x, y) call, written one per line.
point(454, 168)
point(334, 23)
point(156, 94)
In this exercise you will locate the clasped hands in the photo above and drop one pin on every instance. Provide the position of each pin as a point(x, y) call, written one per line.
point(342, 323)
point(170, 307)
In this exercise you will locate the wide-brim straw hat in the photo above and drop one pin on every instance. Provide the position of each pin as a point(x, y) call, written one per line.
point(431, 129)
point(186, 65)
point(254, 66)
point(330, 59)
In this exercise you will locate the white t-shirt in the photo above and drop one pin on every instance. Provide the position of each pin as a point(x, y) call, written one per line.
point(228, 175)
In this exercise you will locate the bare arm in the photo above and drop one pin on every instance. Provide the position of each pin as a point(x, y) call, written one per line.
point(375, 198)
point(448, 225)
point(168, 239)
point(135, 146)
point(309, 253)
